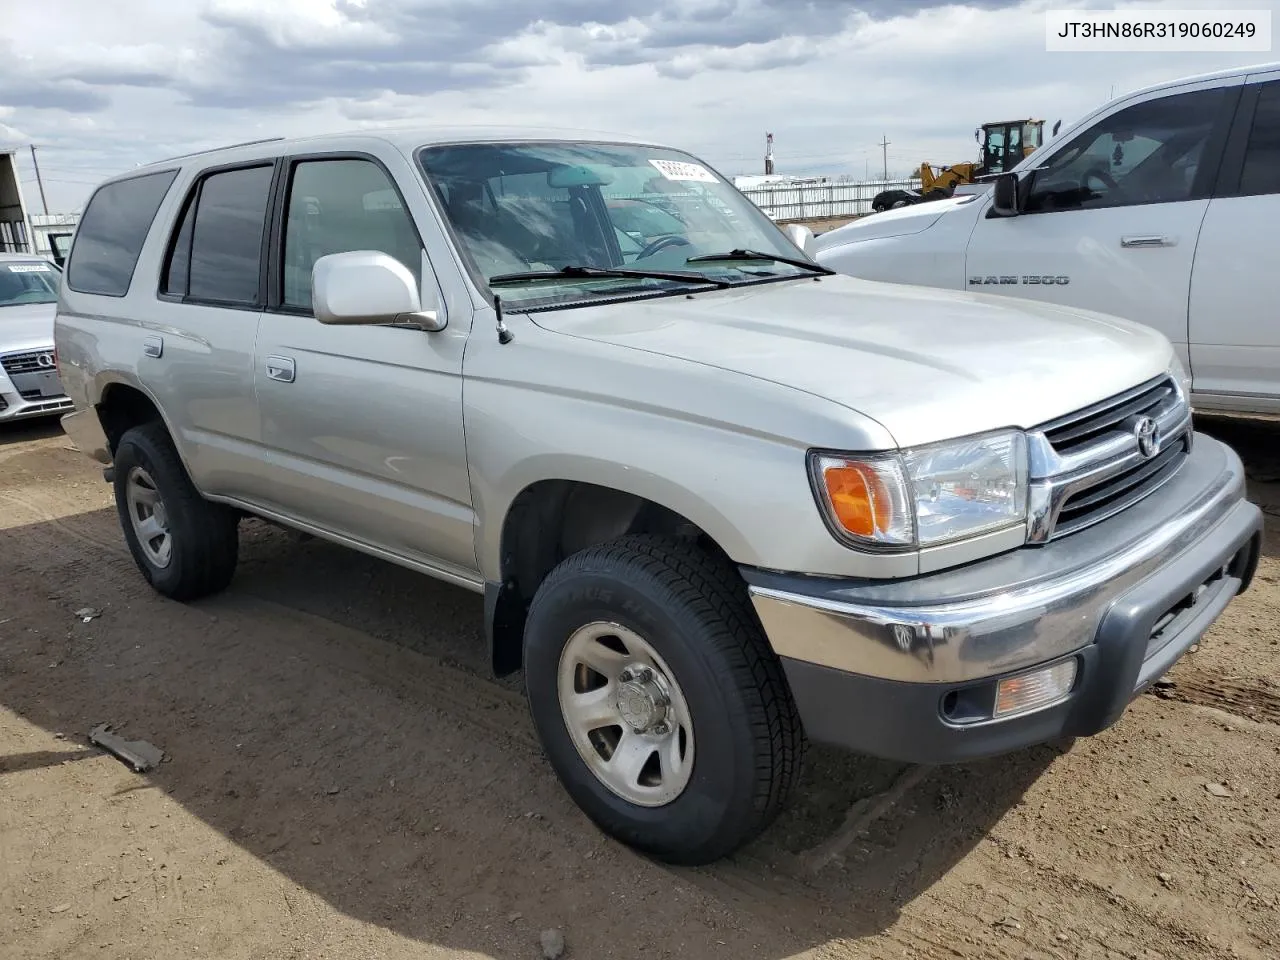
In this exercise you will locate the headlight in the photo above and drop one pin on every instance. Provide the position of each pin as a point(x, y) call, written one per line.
point(928, 495)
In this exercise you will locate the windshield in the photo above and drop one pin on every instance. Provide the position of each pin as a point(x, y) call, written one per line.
point(540, 207)
point(27, 281)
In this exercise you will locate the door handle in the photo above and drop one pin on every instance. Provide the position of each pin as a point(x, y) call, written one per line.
point(152, 346)
point(280, 368)
point(1152, 241)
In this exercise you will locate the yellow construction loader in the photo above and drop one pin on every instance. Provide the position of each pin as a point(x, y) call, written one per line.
point(1001, 147)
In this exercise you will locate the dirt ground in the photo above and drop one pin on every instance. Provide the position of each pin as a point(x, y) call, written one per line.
point(342, 780)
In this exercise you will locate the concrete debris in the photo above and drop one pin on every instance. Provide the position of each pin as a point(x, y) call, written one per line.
point(139, 754)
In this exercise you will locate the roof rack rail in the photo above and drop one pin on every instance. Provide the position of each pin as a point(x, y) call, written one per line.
point(229, 146)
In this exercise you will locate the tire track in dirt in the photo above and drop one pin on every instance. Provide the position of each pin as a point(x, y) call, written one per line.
point(1250, 698)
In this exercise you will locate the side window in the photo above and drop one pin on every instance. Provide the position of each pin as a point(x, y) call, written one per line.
point(112, 231)
point(1261, 173)
point(216, 251)
point(336, 206)
point(1147, 153)
point(226, 236)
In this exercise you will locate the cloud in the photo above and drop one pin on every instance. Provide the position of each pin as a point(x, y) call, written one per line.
point(136, 80)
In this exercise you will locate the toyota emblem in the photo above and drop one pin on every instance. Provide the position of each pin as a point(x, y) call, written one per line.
point(45, 360)
point(1148, 433)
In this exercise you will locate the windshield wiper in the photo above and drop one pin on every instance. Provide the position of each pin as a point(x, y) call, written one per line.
point(757, 255)
point(574, 270)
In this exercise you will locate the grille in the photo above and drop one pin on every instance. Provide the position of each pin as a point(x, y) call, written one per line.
point(26, 362)
point(1111, 496)
point(1079, 429)
point(1095, 470)
point(4, 404)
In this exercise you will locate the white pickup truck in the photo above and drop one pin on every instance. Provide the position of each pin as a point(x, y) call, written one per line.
point(1159, 207)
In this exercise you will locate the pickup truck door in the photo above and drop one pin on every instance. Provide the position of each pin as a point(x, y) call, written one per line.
point(362, 424)
point(1234, 329)
point(1111, 216)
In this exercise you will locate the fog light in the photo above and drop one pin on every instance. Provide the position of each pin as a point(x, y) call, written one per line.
point(1034, 690)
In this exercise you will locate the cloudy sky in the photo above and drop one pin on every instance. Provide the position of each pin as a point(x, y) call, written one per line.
point(101, 85)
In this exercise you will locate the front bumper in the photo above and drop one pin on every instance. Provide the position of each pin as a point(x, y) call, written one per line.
point(14, 406)
point(908, 669)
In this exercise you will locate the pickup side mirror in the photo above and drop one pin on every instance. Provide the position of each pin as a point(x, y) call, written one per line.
point(365, 287)
point(801, 236)
point(1004, 196)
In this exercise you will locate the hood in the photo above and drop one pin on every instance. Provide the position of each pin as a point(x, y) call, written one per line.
point(26, 326)
point(890, 223)
point(927, 364)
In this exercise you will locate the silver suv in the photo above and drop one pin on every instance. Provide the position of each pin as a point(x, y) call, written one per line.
point(719, 501)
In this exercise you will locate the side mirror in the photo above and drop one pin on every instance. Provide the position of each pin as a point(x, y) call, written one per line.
point(365, 287)
point(801, 236)
point(1004, 195)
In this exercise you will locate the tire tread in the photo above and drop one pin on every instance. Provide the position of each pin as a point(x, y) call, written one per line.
point(712, 590)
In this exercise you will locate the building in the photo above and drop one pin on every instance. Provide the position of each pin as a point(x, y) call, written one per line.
point(15, 227)
point(51, 234)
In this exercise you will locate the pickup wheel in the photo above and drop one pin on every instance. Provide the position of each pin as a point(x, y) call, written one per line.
point(661, 705)
point(186, 546)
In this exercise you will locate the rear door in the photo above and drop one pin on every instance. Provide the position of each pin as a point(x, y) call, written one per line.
point(1234, 325)
point(198, 356)
point(1112, 215)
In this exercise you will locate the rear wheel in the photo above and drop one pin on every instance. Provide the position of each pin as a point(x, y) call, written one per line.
point(659, 702)
point(185, 546)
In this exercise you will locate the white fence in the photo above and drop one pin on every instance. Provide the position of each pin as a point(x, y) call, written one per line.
point(821, 200)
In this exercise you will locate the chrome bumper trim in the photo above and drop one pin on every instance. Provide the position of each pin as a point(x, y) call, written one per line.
point(998, 629)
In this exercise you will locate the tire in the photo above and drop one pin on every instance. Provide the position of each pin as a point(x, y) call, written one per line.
point(743, 735)
point(203, 537)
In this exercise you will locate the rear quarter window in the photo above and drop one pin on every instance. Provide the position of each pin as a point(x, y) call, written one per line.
point(112, 231)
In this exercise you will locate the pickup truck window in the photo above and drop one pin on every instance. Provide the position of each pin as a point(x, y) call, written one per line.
point(538, 207)
point(1261, 173)
point(1147, 153)
point(111, 233)
point(340, 205)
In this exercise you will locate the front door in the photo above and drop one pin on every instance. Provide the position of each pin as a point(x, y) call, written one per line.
point(1111, 217)
point(1234, 324)
point(363, 423)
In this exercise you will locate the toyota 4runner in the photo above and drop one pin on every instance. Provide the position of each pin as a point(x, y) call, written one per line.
point(719, 500)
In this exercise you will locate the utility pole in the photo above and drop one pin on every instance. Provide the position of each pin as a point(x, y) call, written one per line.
point(884, 147)
point(39, 182)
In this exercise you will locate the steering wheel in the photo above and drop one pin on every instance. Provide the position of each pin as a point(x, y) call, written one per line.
point(674, 240)
point(1100, 174)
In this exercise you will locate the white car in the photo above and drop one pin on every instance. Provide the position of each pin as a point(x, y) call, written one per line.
point(1159, 207)
point(29, 382)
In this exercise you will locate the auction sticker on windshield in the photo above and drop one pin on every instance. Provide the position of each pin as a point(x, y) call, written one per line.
point(28, 267)
point(679, 170)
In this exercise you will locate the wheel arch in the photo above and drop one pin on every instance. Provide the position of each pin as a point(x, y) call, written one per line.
point(551, 518)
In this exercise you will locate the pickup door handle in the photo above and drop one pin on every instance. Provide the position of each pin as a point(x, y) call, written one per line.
point(1151, 241)
point(280, 368)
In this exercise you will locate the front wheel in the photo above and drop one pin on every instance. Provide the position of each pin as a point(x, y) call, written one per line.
point(660, 703)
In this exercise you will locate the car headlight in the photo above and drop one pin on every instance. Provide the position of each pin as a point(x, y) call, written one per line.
point(925, 496)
